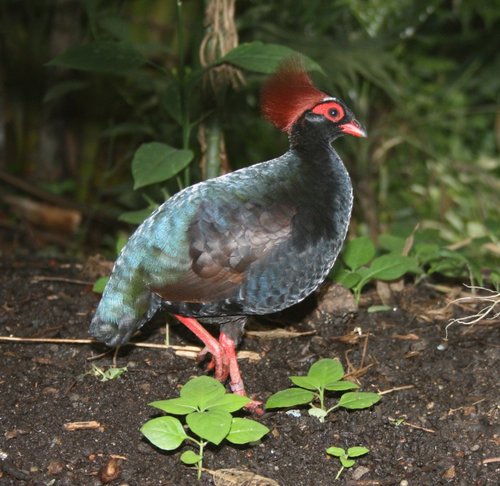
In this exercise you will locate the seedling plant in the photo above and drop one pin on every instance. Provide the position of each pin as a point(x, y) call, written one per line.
point(346, 457)
point(324, 375)
point(207, 410)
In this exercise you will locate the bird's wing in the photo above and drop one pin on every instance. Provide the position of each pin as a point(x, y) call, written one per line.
point(225, 239)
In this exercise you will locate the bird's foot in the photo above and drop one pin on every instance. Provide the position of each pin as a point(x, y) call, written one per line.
point(219, 361)
point(223, 362)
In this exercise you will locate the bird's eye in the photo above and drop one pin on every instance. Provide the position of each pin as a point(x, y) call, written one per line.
point(333, 112)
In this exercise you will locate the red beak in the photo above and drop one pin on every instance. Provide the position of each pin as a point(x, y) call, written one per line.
point(354, 128)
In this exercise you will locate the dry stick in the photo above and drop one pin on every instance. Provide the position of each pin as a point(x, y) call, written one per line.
point(398, 388)
point(92, 341)
point(41, 278)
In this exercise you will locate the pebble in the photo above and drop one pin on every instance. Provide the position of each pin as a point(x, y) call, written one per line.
point(359, 472)
point(293, 413)
point(404, 482)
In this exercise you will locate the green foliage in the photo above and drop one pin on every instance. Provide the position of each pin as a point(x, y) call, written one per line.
point(207, 410)
point(157, 162)
point(346, 457)
point(324, 375)
point(264, 58)
point(111, 373)
point(107, 57)
point(361, 266)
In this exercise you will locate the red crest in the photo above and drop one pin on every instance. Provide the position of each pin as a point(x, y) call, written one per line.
point(288, 93)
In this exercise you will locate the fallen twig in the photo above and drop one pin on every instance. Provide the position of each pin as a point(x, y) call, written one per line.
point(89, 425)
point(41, 278)
point(398, 388)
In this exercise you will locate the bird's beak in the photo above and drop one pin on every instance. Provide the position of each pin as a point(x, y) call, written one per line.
point(354, 128)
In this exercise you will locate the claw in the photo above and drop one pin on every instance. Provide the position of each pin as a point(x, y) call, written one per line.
point(223, 361)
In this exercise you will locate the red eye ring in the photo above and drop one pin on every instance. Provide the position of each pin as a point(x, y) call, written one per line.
point(331, 110)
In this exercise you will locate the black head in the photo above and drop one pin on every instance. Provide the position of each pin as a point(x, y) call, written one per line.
point(333, 118)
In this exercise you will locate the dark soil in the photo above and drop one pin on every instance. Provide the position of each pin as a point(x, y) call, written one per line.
point(442, 430)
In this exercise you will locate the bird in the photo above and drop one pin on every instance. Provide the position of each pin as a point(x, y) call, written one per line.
point(248, 243)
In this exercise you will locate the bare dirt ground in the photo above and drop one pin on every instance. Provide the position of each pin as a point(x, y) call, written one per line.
point(437, 425)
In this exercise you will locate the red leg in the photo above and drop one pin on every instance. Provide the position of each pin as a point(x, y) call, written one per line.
point(211, 345)
point(236, 383)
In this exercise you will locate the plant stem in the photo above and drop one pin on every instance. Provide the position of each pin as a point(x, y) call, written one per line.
point(339, 473)
point(199, 465)
point(186, 125)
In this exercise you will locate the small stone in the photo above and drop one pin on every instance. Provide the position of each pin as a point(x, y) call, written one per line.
point(449, 473)
point(430, 406)
point(475, 448)
point(110, 471)
point(55, 467)
point(359, 472)
point(293, 413)
point(403, 482)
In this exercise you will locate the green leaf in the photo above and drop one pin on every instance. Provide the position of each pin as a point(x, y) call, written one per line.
point(62, 89)
point(177, 406)
point(229, 402)
point(289, 398)
point(358, 252)
point(213, 425)
point(336, 451)
point(202, 390)
point(135, 217)
point(307, 382)
point(190, 457)
point(394, 244)
point(326, 371)
point(319, 413)
point(391, 267)
point(166, 433)
point(264, 58)
point(347, 278)
point(100, 284)
point(347, 462)
point(101, 57)
point(245, 430)
point(341, 385)
point(157, 162)
point(357, 400)
point(357, 451)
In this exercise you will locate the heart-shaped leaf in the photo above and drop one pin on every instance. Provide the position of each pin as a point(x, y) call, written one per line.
point(202, 390)
point(245, 430)
point(213, 425)
point(166, 433)
point(190, 457)
point(326, 371)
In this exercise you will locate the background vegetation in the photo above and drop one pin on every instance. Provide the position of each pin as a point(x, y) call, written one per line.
point(423, 76)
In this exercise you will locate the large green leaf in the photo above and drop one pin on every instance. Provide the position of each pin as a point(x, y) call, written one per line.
point(157, 162)
point(358, 252)
point(213, 425)
point(264, 58)
point(307, 382)
point(358, 400)
point(230, 402)
point(177, 406)
point(289, 398)
point(391, 267)
point(326, 371)
point(101, 57)
point(164, 432)
point(245, 430)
